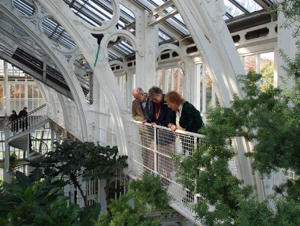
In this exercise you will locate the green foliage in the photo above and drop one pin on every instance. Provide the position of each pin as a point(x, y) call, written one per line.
point(36, 200)
point(145, 196)
point(267, 71)
point(86, 159)
point(102, 162)
point(31, 198)
point(75, 159)
point(267, 119)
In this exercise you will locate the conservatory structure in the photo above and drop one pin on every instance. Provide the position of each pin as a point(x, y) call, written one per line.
point(75, 63)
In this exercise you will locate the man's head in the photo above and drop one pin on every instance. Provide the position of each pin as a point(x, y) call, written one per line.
point(25, 108)
point(139, 95)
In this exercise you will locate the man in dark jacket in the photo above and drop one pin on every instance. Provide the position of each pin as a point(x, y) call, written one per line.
point(23, 118)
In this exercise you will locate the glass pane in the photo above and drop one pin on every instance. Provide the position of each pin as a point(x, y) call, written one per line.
point(250, 5)
point(36, 91)
point(40, 94)
point(181, 77)
point(201, 87)
point(267, 69)
point(169, 73)
point(175, 79)
point(208, 91)
point(1, 91)
point(17, 91)
point(250, 63)
point(2, 107)
point(160, 79)
point(30, 104)
point(30, 91)
point(232, 9)
point(12, 91)
point(22, 91)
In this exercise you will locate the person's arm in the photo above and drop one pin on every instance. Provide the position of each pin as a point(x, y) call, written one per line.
point(171, 120)
point(150, 107)
point(167, 113)
point(186, 118)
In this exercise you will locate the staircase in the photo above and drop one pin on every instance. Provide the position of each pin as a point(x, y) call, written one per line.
point(19, 135)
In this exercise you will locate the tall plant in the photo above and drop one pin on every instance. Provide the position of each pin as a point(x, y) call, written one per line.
point(87, 160)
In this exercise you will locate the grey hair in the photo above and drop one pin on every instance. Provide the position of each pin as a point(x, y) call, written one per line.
point(155, 91)
point(141, 91)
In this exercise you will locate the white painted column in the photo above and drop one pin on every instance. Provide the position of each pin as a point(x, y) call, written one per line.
point(6, 91)
point(204, 93)
point(6, 176)
point(197, 90)
point(52, 139)
point(146, 59)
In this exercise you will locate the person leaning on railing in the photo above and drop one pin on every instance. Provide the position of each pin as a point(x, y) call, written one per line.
point(140, 112)
point(187, 118)
point(164, 140)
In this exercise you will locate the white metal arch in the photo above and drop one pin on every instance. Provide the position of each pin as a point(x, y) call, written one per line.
point(168, 47)
point(59, 59)
point(112, 36)
point(102, 71)
point(215, 44)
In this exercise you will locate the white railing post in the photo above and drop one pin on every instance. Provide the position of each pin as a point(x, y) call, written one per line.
point(155, 151)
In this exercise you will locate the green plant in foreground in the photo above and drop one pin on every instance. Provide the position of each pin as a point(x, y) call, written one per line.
point(144, 196)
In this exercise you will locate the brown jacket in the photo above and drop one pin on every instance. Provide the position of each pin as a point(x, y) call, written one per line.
point(137, 113)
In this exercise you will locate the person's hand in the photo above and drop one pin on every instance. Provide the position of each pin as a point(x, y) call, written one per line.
point(153, 123)
point(145, 120)
point(181, 128)
point(173, 127)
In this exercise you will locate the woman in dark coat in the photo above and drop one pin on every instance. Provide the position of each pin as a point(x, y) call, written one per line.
point(187, 118)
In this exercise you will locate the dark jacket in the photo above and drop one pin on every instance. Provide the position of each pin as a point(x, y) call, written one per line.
point(165, 113)
point(163, 137)
point(190, 118)
point(23, 113)
point(13, 117)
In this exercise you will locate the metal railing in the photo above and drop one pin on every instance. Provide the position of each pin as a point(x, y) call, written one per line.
point(24, 123)
point(153, 148)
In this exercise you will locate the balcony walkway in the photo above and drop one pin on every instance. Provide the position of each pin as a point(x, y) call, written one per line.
point(153, 148)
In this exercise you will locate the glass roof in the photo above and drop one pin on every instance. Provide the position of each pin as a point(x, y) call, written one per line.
point(95, 12)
